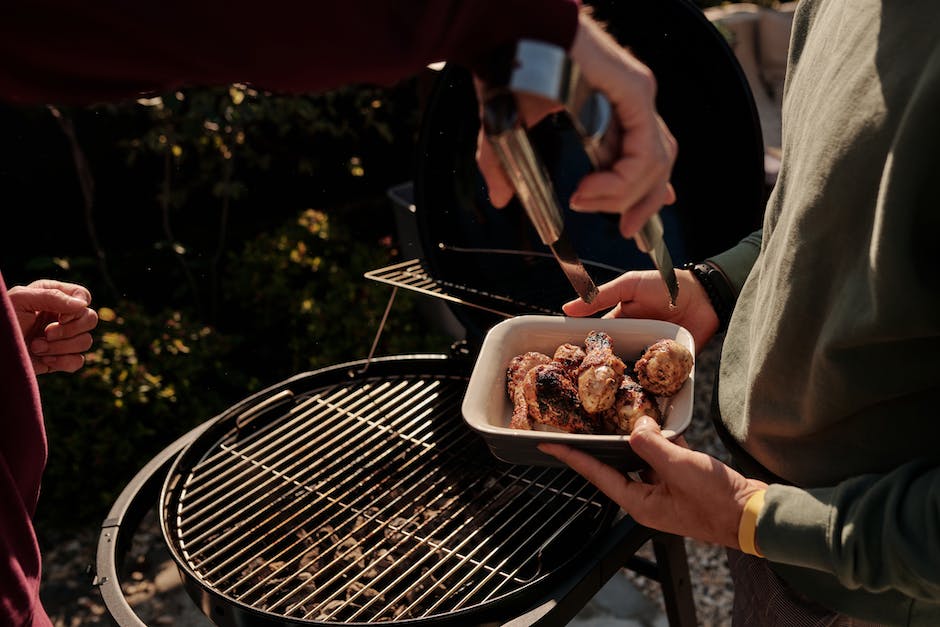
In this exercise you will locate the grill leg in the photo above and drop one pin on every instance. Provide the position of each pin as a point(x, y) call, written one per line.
point(673, 566)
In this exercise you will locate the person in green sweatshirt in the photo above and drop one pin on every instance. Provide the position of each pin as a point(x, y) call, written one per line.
point(828, 388)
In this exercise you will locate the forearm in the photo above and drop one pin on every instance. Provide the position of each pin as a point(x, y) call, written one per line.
point(52, 50)
point(736, 263)
point(877, 532)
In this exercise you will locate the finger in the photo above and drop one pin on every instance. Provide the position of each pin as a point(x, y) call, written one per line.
point(644, 169)
point(607, 191)
point(618, 487)
point(82, 322)
point(50, 300)
point(498, 186)
point(77, 344)
point(633, 219)
point(609, 295)
point(62, 363)
point(670, 461)
point(72, 289)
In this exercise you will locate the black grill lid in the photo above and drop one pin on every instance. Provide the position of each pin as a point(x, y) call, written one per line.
point(705, 100)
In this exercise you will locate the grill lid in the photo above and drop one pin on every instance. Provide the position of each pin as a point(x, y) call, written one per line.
point(360, 499)
point(702, 95)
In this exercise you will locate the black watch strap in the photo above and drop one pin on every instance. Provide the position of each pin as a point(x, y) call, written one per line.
point(718, 288)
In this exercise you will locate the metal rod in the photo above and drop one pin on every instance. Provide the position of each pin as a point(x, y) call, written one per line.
point(378, 332)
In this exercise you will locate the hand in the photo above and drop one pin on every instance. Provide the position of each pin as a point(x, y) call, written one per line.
point(689, 494)
point(641, 294)
point(56, 322)
point(636, 185)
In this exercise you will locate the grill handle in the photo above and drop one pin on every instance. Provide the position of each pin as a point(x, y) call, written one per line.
point(128, 511)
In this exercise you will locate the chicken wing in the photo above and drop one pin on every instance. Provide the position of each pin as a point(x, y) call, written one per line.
point(552, 399)
point(570, 357)
point(600, 373)
point(518, 367)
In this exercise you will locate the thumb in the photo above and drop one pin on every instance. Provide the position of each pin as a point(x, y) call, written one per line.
point(498, 185)
point(647, 441)
point(49, 300)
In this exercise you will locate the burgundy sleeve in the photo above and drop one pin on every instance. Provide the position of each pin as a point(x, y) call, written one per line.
point(22, 460)
point(66, 51)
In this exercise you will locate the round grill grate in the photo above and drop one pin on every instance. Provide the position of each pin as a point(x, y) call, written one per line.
point(367, 500)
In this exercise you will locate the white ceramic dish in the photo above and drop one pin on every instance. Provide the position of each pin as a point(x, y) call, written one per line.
point(487, 408)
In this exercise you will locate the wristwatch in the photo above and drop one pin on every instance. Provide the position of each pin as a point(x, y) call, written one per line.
point(718, 288)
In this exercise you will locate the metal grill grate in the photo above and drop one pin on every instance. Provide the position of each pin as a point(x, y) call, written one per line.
point(414, 276)
point(372, 501)
point(494, 280)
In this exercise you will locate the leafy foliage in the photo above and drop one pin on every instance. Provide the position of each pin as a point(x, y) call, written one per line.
point(231, 280)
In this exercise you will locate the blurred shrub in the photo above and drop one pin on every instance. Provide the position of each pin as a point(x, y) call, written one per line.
point(302, 285)
point(149, 378)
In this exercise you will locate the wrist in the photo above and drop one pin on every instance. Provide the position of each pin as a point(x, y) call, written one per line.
point(747, 525)
point(718, 289)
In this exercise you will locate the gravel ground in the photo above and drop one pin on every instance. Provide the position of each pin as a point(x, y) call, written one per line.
point(155, 591)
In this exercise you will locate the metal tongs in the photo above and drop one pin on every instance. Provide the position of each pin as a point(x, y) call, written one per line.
point(546, 71)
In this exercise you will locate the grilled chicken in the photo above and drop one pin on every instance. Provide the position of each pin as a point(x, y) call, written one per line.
point(600, 373)
point(569, 357)
point(664, 367)
point(552, 399)
point(631, 402)
point(587, 390)
point(518, 367)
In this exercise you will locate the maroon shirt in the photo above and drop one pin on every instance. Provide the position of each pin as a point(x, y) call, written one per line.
point(81, 52)
point(66, 51)
point(22, 459)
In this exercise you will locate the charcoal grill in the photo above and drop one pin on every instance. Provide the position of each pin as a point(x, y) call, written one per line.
point(355, 494)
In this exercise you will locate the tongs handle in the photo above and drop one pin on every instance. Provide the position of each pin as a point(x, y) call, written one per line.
point(522, 165)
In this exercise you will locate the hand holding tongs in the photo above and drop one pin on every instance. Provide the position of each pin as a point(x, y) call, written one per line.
point(545, 71)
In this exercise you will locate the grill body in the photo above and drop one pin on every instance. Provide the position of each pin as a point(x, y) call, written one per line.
point(342, 497)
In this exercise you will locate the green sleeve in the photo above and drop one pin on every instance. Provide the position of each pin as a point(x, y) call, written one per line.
point(736, 263)
point(876, 532)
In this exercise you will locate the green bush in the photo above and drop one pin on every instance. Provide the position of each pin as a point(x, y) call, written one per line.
point(223, 278)
point(149, 378)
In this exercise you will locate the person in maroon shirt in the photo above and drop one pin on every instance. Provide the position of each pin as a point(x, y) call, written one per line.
point(44, 327)
point(54, 51)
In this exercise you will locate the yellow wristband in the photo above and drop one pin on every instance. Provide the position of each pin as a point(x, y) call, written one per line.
point(747, 528)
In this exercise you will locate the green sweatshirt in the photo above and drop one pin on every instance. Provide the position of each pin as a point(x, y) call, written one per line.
point(830, 370)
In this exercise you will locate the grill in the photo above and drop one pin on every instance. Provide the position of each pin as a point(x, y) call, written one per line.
point(355, 494)
point(369, 500)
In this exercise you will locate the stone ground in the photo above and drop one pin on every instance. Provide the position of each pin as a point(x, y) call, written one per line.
point(156, 593)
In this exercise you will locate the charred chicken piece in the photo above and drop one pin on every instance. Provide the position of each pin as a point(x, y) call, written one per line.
point(552, 399)
point(631, 402)
point(600, 373)
point(664, 367)
point(518, 367)
point(570, 357)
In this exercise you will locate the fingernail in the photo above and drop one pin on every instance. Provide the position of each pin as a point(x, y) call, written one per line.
point(39, 346)
point(55, 333)
point(78, 301)
point(645, 423)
